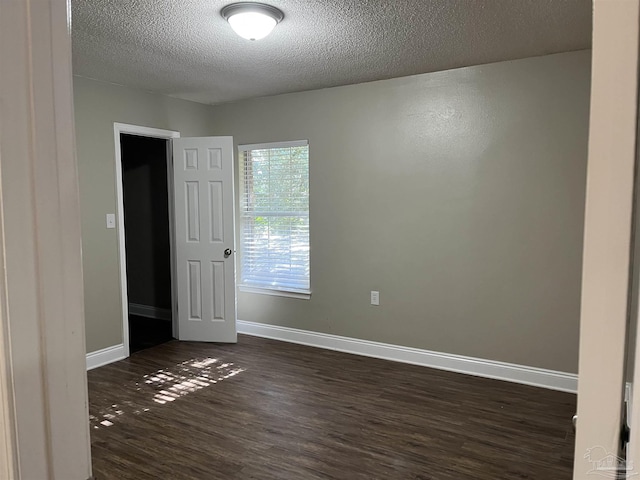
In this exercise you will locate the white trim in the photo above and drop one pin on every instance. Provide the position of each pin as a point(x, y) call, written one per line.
point(150, 312)
point(119, 128)
point(275, 292)
point(537, 377)
point(44, 421)
point(144, 131)
point(105, 356)
point(261, 146)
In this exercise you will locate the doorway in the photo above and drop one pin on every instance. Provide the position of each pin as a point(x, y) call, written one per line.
point(147, 239)
point(143, 161)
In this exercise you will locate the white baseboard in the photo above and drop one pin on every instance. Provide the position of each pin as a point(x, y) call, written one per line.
point(538, 377)
point(149, 312)
point(106, 355)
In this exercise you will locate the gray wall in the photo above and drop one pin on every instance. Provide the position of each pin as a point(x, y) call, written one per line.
point(458, 195)
point(97, 106)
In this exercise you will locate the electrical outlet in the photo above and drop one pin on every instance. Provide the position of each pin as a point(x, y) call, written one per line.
point(375, 297)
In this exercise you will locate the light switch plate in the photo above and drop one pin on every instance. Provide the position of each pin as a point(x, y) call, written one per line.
point(111, 220)
point(375, 297)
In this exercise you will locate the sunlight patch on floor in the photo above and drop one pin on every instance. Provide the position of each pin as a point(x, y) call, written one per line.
point(164, 387)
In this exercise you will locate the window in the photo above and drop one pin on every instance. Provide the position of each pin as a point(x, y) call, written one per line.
point(274, 216)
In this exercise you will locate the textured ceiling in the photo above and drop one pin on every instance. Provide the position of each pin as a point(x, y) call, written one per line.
point(184, 48)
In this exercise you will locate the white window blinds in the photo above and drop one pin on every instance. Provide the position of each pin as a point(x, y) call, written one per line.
point(274, 216)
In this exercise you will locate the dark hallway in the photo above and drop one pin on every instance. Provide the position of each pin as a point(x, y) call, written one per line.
point(147, 238)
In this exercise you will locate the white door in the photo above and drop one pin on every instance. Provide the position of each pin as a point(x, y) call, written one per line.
point(204, 239)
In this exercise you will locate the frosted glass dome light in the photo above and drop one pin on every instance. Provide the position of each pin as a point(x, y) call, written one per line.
point(252, 20)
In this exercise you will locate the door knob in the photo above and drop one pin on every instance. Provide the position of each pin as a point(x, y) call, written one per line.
point(227, 252)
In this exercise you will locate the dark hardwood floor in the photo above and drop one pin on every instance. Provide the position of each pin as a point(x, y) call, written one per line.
point(267, 410)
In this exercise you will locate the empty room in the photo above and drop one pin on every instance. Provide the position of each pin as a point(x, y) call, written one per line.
point(349, 239)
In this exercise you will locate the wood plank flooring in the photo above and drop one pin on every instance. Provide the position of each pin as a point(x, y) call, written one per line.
point(270, 410)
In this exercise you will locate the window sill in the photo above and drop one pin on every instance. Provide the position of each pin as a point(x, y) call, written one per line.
point(276, 293)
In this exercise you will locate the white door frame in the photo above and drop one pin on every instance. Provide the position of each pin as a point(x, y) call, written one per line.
point(44, 420)
point(608, 232)
point(119, 128)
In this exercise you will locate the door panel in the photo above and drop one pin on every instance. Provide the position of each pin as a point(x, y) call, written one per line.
point(204, 229)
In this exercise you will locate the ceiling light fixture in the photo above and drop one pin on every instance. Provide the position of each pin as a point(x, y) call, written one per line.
point(252, 20)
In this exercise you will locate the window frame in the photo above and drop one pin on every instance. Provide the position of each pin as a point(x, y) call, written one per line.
point(280, 291)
